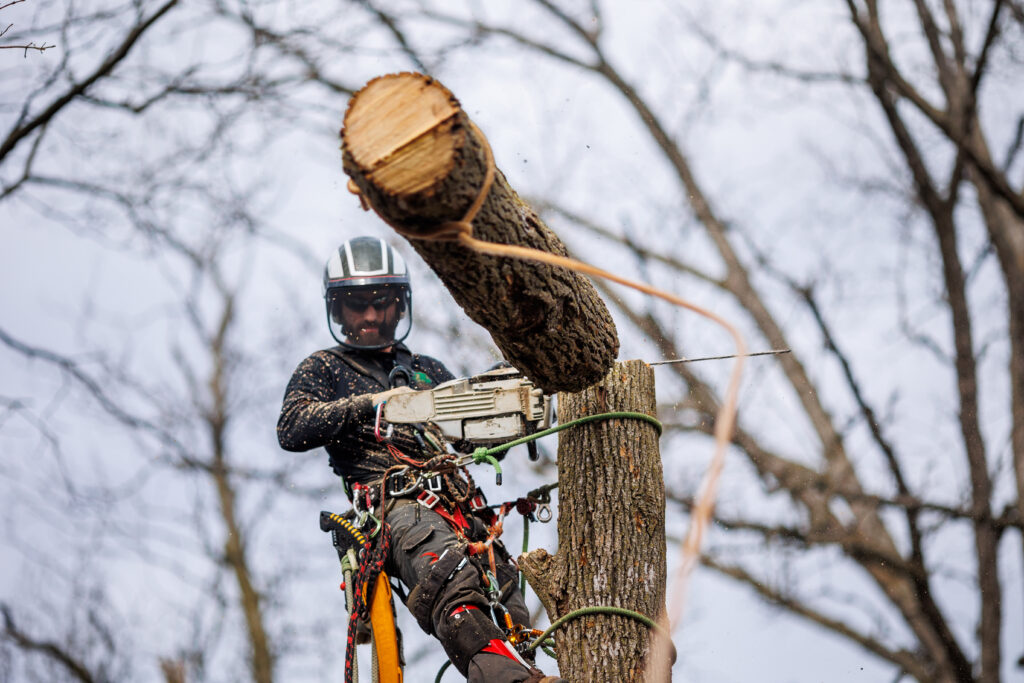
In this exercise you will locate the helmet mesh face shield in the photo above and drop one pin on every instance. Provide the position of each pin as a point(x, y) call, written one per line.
point(367, 294)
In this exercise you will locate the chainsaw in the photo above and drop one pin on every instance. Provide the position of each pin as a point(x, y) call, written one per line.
point(491, 408)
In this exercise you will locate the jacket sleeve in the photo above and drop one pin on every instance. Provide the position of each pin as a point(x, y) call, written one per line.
point(310, 417)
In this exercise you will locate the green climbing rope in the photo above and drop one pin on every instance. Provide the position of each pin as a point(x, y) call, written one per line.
point(583, 611)
point(542, 640)
point(620, 415)
point(526, 546)
point(482, 455)
point(444, 667)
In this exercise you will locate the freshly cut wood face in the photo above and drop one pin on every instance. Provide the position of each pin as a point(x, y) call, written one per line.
point(400, 129)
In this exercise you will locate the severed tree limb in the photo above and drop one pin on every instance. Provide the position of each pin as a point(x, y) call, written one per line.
point(737, 278)
point(413, 154)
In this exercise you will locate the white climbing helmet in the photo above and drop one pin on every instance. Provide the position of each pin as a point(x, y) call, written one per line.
point(370, 269)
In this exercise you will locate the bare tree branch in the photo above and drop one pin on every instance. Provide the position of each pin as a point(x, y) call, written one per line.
point(1014, 146)
point(768, 66)
point(17, 134)
point(392, 25)
point(108, 404)
point(25, 46)
point(51, 650)
point(870, 418)
point(904, 659)
point(641, 252)
point(30, 46)
point(879, 58)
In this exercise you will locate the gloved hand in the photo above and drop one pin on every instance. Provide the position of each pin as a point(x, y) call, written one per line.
point(382, 396)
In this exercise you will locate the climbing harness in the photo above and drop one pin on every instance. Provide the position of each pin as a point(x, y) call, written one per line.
point(438, 481)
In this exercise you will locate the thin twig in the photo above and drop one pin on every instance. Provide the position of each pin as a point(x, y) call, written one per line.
point(773, 352)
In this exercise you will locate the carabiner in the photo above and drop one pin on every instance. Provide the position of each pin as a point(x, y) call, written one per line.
point(361, 523)
point(409, 487)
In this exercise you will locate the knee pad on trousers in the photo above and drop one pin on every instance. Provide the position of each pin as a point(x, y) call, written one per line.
point(465, 633)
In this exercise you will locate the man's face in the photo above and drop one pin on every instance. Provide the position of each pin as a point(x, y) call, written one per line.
point(369, 316)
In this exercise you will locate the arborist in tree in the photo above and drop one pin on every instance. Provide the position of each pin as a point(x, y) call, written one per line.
point(332, 401)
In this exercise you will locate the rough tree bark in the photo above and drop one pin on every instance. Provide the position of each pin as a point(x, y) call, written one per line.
point(611, 530)
point(412, 152)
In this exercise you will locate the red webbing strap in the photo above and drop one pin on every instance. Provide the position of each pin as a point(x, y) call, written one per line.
point(370, 566)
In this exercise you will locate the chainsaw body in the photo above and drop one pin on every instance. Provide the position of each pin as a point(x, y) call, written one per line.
point(493, 407)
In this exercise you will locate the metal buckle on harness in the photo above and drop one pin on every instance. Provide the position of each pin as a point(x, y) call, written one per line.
point(428, 499)
point(477, 502)
point(393, 481)
point(434, 483)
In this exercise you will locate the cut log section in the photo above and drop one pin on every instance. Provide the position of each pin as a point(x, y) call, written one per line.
point(412, 152)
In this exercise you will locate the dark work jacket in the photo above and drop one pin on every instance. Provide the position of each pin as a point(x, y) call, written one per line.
point(327, 403)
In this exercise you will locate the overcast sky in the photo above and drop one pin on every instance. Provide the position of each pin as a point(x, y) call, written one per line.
point(77, 279)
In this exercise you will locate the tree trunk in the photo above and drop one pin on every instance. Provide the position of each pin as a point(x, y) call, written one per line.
point(416, 160)
point(611, 530)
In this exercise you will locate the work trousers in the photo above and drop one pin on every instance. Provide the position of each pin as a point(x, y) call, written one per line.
point(422, 543)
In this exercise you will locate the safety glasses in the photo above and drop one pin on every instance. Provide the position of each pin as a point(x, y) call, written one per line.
point(360, 305)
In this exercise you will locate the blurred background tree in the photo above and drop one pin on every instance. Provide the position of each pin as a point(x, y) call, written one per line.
point(843, 179)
